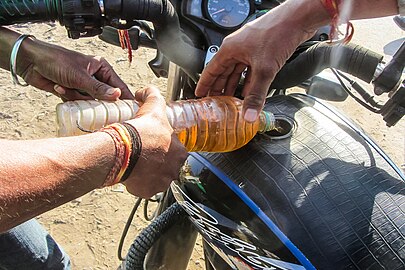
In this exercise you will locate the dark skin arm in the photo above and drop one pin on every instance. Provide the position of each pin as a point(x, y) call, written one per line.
point(61, 71)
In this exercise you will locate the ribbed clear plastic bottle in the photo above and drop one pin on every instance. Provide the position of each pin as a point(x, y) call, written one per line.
point(211, 124)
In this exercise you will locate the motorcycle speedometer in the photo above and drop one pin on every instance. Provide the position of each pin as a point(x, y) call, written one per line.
point(228, 13)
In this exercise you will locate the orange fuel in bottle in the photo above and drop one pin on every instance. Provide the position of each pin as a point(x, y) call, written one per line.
point(211, 124)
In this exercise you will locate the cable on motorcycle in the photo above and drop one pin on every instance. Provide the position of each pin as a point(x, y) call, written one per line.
point(145, 208)
point(126, 228)
point(158, 199)
point(373, 107)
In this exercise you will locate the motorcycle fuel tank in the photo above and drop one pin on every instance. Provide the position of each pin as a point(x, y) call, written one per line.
point(325, 196)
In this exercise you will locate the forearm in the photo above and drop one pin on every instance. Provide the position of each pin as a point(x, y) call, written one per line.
point(362, 9)
point(7, 39)
point(311, 14)
point(39, 175)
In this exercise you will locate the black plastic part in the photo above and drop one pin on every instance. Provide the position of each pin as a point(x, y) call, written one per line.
point(145, 240)
point(174, 44)
point(350, 58)
point(394, 109)
point(82, 18)
point(110, 35)
point(213, 259)
point(137, 38)
point(159, 65)
point(392, 73)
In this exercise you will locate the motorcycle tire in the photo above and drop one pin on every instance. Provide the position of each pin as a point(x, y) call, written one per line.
point(327, 186)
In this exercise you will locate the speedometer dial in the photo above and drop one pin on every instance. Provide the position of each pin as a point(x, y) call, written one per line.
point(228, 13)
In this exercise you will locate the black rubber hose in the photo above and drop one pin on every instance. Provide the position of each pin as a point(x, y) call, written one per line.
point(350, 58)
point(22, 11)
point(145, 240)
point(174, 44)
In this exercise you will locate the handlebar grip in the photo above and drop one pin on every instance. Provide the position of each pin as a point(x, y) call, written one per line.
point(22, 11)
point(81, 18)
point(353, 59)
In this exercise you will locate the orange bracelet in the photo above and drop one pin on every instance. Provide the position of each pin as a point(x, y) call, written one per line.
point(332, 7)
point(126, 138)
point(123, 148)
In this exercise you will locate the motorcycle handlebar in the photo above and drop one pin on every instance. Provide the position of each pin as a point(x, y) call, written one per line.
point(171, 41)
point(81, 18)
point(350, 58)
point(87, 18)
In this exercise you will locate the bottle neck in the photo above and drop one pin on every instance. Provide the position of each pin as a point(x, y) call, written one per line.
point(267, 122)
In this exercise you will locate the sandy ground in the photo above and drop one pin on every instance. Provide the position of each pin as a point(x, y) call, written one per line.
point(90, 227)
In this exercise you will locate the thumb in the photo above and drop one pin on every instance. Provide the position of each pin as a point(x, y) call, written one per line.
point(252, 105)
point(150, 99)
point(99, 90)
point(255, 96)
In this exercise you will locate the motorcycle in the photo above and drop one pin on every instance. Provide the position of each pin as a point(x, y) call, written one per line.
point(319, 193)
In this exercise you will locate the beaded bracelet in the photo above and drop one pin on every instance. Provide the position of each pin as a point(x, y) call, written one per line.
point(13, 59)
point(332, 7)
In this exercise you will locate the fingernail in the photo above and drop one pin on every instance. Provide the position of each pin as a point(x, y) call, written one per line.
point(58, 89)
point(111, 91)
point(250, 115)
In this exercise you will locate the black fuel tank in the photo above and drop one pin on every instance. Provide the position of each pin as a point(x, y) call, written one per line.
point(335, 200)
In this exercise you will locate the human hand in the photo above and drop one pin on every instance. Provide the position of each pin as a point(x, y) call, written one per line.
point(162, 153)
point(262, 46)
point(69, 74)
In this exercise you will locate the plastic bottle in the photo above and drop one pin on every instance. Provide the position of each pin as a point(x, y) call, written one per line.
point(211, 124)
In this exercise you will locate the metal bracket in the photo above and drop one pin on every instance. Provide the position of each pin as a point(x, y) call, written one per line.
point(212, 50)
point(394, 109)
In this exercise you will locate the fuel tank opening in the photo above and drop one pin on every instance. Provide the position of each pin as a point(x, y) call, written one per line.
point(285, 127)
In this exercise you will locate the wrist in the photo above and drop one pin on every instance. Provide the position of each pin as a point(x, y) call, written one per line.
point(13, 58)
point(309, 15)
point(128, 147)
point(300, 18)
point(99, 158)
point(27, 55)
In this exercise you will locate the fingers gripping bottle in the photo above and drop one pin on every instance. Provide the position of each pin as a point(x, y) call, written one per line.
point(211, 124)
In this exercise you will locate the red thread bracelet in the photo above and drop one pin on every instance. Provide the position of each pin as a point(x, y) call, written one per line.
point(126, 139)
point(123, 150)
point(332, 7)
